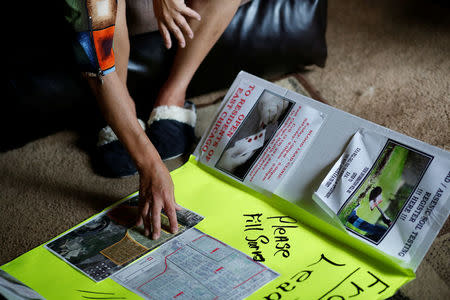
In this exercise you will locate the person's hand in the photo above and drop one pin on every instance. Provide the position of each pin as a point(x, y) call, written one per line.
point(156, 193)
point(234, 157)
point(171, 16)
point(270, 107)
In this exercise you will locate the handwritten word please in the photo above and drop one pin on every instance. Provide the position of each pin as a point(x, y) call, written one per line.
point(279, 232)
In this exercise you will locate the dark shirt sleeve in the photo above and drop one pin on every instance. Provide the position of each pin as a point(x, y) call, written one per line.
point(93, 24)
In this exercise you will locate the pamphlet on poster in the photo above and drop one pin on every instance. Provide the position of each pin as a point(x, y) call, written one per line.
point(389, 194)
point(384, 188)
point(258, 135)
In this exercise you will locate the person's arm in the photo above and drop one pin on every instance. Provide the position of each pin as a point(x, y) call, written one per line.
point(156, 189)
point(105, 69)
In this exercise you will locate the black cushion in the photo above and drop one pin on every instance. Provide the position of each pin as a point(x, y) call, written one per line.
point(264, 38)
point(45, 92)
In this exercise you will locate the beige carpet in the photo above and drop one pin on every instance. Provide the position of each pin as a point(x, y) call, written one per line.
point(388, 62)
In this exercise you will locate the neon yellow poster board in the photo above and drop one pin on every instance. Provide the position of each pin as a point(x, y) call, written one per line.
point(315, 260)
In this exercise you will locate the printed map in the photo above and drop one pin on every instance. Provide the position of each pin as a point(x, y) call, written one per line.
point(195, 265)
point(110, 241)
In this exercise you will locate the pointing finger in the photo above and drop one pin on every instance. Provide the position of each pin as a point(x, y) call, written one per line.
point(171, 214)
point(156, 220)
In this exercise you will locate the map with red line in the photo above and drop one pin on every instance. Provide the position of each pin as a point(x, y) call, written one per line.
point(195, 265)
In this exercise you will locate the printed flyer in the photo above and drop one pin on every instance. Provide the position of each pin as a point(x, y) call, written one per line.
point(383, 188)
point(258, 135)
point(389, 194)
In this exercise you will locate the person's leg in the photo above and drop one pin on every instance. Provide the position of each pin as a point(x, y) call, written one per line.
point(216, 15)
point(376, 233)
point(371, 229)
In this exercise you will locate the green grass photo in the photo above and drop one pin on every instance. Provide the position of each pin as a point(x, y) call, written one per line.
point(376, 204)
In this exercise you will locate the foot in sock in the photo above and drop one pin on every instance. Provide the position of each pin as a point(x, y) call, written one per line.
point(170, 128)
point(113, 159)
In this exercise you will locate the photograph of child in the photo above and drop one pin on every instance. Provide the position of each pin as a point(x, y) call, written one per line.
point(375, 206)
